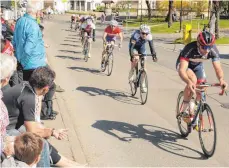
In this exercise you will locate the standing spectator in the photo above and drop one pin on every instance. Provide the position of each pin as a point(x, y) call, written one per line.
point(30, 52)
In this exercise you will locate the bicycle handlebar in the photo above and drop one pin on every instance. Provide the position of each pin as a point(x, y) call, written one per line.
point(205, 85)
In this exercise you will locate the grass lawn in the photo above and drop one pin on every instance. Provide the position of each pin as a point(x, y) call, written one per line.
point(223, 40)
point(175, 26)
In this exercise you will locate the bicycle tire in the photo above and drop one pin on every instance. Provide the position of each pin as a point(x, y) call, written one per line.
point(207, 153)
point(110, 62)
point(86, 52)
point(179, 118)
point(143, 94)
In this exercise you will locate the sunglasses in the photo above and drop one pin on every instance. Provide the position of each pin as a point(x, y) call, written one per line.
point(144, 33)
point(206, 47)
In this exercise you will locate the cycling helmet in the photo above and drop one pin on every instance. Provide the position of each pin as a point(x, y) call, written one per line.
point(206, 38)
point(73, 15)
point(113, 23)
point(144, 29)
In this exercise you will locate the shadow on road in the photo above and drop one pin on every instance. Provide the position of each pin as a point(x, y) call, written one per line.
point(70, 45)
point(82, 69)
point(121, 96)
point(162, 138)
point(75, 52)
point(68, 57)
point(71, 38)
point(71, 41)
point(224, 56)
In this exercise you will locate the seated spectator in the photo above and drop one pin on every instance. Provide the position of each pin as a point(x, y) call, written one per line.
point(23, 103)
point(8, 66)
point(27, 149)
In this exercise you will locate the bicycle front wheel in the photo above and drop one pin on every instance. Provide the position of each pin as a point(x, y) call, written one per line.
point(86, 52)
point(133, 84)
point(143, 83)
point(110, 62)
point(183, 126)
point(207, 131)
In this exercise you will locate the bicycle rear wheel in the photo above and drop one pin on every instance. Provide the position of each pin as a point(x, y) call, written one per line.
point(110, 61)
point(133, 84)
point(183, 126)
point(86, 51)
point(143, 83)
point(207, 131)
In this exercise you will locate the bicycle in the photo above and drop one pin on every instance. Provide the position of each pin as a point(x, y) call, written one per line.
point(198, 123)
point(108, 59)
point(140, 77)
point(86, 47)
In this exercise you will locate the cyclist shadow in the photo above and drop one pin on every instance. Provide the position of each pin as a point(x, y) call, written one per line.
point(68, 57)
point(162, 138)
point(70, 45)
point(224, 56)
point(69, 51)
point(71, 41)
point(71, 38)
point(121, 96)
point(82, 69)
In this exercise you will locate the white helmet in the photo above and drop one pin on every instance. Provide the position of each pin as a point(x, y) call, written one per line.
point(144, 28)
point(73, 15)
point(113, 23)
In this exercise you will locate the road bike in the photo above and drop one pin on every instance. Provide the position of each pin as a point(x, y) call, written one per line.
point(203, 119)
point(86, 46)
point(108, 59)
point(140, 79)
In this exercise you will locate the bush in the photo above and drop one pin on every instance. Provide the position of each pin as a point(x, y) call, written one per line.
point(100, 8)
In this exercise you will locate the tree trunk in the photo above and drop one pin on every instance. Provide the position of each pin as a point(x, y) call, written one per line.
point(170, 13)
point(149, 9)
point(217, 14)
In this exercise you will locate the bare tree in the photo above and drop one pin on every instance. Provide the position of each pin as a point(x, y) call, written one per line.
point(149, 9)
point(215, 13)
point(170, 18)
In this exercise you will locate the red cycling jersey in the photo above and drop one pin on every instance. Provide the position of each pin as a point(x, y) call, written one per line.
point(111, 32)
point(8, 49)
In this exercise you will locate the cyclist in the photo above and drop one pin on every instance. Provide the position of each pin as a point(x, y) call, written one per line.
point(73, 19)
point(88, 29)
point(190, 67)
point(137, 46)
point(109, 36)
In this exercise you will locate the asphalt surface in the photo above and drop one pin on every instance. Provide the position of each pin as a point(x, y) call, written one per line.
point(113, 128)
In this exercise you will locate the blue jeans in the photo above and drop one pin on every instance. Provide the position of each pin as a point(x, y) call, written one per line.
point(45, 156)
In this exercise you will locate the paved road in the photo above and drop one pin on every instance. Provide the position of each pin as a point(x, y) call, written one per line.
point(113, 128)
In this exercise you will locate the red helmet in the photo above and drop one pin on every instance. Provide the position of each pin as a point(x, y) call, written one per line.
point(206, 38)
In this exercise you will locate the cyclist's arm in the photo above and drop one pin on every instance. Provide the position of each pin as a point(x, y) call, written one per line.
point(183, 71)
point(104, 36)
point(132, 44)
point(218, 70)
point(121, 37)
point(152, 48)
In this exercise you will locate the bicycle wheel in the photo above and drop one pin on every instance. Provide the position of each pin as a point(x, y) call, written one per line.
point(86, 51)
point(207, 131)
point(183, 126)
point(110, 61)
point(133, 84)
point(143, 83)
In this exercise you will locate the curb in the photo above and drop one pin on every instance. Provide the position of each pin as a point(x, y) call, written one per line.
point(76, 148)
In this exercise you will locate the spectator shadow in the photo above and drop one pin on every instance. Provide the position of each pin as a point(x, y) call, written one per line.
point(70, 45)
point(68, 51)
point(68, 57)
point(224, 56)
point(162, 138)
point(71, 41)
point(117, 95)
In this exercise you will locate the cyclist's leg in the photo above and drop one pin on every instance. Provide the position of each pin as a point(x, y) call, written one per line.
point(201, 77)
point(134, 61)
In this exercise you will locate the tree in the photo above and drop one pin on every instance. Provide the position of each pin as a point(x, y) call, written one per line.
point(215, 13)
point(170, 13)
point(149, 9)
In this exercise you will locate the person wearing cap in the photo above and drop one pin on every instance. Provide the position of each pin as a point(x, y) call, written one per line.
point(109, 36)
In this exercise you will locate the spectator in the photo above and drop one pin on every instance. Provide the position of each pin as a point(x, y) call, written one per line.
point(22, 102)
point(27, 147)
point(30, 53)
point(8, 66)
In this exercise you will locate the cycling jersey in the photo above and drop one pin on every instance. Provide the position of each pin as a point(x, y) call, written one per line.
point(191, 54)
point(8, 49)
point(111, 33)
point(140, 43)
